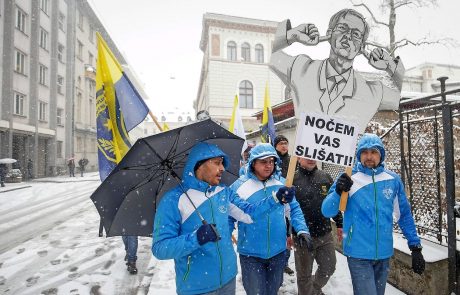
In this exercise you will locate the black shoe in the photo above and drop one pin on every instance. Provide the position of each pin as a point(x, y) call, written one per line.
point(288, 270)
point(132, 268)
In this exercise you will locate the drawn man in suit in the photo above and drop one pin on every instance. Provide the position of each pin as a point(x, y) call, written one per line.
point(331, 86)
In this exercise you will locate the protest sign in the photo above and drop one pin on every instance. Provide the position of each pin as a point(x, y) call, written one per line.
point(326, 139)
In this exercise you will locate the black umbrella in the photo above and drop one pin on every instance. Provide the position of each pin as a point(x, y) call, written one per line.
point(127, 199)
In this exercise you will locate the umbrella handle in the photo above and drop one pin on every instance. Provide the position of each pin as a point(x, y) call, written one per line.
point(213, 228)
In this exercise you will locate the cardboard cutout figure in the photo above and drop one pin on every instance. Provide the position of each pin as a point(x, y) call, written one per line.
point(332, 86)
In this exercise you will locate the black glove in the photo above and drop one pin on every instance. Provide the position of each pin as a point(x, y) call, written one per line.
point(418, 262)
point(207, 233)
point(285, 194)
point(343, 184)
point(305, 240)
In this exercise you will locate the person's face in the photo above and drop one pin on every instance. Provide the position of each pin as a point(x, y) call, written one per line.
point(263, 168)
point(370, 158)
point(211, 171)
point(282, 147)
point(307, 164)
point(347, 36)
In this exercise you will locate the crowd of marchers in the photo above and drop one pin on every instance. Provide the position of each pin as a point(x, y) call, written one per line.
point(271, 219)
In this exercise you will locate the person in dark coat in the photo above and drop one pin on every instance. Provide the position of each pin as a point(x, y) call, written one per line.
point(71, 165)
point(30, 169)
point(3, 171)
point(281, 145)
point(82, 163)
point(312, 186)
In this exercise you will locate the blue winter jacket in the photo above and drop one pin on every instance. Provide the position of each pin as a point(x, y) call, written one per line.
point(375, 197)
point(266, 237)
point(201, 269)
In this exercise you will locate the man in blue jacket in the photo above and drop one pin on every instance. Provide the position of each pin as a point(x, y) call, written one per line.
point(262, 244)
point(375, 195)
point(205, 261)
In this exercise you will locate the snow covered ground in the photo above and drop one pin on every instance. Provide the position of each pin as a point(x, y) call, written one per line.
point(50, 245)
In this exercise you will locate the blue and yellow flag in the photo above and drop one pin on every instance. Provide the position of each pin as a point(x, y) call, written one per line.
point(119, 108)
point(236, 123)
point(268, 124)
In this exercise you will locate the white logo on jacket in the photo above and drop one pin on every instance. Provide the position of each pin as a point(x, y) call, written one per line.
point(387, 192)
point(223, 209)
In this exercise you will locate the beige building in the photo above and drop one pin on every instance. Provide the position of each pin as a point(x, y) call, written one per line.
point(236, 52)
point(236, 55)
point(48, 59)
point(423, 78)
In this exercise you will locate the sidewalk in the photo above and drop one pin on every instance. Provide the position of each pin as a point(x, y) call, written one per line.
point(11, 186)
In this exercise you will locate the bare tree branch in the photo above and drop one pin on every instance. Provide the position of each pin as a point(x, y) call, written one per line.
point(444, 41)
point(377, 44)
point(370, 12)
point(416, 3)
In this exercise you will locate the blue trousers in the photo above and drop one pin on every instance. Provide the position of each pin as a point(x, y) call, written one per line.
point(262, 276)
point(130, 247)
point(369, 277)
point(227, 289)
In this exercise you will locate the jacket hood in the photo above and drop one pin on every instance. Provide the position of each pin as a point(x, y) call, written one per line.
point(261, 151)
point(201, 151)
point(370, 141)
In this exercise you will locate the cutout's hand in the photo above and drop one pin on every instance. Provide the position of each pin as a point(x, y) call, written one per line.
point(306, 34)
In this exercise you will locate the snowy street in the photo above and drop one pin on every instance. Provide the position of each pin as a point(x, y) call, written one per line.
point(50, 245)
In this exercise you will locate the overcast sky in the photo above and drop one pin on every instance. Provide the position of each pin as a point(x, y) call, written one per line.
point(160, 39)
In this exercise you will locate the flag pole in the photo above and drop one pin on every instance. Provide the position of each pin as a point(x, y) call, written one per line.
point(155, 120)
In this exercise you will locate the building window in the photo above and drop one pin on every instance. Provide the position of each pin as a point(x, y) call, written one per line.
point(43, 75)
point(91, 34)
point(79, 106)
point(61, 52)
point(44, 6)
point(60, 84)
point(80, 20)
point(92, 88)
point(61, 21)
point(80, 50)
point(231, 50)
point(21, 20)
point(92, 113)
point(58, 149)
point(246, 94)
point(20, 62)
point(259, 53)
point(90, 58)
point(79, 144)
point(246, 52)
point(43, 39)
point(42, 111)
point(59, 114)
point(19, 103)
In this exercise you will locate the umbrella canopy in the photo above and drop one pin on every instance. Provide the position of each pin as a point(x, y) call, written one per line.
point(7, 161)
point(128, 197)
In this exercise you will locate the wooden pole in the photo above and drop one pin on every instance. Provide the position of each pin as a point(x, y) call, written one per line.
point(291, 170)
point(344, 196)
point(155, 120)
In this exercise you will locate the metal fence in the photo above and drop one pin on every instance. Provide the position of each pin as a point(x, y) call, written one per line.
point(424, 148)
